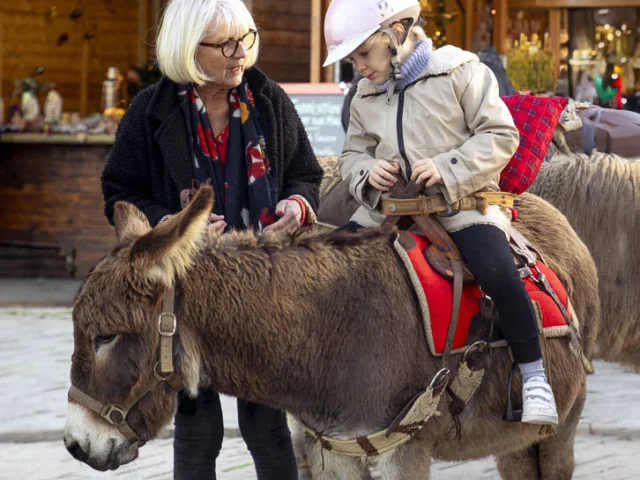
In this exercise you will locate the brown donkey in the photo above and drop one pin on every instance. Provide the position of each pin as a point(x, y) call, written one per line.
point(322, 325)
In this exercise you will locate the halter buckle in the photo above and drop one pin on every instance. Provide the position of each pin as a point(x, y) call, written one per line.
point(167, 324)
point(115, 415)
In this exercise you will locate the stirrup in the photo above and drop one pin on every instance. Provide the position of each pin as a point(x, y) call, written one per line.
point(511, 414)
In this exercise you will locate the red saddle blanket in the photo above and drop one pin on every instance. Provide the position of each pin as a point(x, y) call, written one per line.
point(438, 292)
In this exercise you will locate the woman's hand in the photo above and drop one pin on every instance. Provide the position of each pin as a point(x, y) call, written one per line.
point(381, 176)
point(290, 214)
point(425, 171)
point(216, 225)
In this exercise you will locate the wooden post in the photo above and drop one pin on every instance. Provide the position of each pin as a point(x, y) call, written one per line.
point(554, 37)
point(328, 71)
point(318, 45)
point(1, 53)
point(315, 64)
point(143, 29)
point(84, 79)
point(469, 22)
point(500, 26)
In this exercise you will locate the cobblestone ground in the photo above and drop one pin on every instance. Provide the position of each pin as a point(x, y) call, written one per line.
point(35, 352)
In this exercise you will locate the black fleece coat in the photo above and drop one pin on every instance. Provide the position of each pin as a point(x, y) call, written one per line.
point(150, 163)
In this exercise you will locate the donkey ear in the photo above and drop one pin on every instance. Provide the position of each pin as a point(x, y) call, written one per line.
point(167, 251)
point(130, 222)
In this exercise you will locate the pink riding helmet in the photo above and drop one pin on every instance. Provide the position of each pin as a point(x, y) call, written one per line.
point(349, 23)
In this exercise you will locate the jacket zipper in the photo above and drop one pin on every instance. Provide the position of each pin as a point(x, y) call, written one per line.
point(399, 125)
point(401, 134)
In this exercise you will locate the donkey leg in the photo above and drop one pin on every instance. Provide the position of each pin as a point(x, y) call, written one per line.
point(411, 461)
point(550, 459)
point(326, 465)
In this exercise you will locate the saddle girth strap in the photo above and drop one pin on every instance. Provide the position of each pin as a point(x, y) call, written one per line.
point(409, 422)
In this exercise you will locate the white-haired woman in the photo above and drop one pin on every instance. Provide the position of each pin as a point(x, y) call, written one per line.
point(214, 117)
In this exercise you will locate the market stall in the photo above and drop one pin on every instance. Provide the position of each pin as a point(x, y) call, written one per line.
point(585, 49)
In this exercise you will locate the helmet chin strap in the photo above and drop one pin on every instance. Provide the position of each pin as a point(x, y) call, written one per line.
point(396, 75)
point(395, 42)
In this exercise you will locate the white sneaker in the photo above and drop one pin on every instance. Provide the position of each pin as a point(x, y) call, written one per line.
point(538, 403)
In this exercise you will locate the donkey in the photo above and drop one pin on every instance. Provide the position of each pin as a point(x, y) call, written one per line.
point(324, 326)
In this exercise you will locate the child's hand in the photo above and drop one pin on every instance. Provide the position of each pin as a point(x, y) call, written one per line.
point(426, 171)
point(382, 177)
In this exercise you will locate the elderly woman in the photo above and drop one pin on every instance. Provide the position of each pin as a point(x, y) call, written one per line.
point(214, 117)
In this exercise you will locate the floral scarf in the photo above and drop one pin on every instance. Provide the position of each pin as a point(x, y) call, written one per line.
point(244, 189)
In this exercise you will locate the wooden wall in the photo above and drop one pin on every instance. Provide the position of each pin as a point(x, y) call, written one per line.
point(29, 38)
point(50, 195)
point(285, 29)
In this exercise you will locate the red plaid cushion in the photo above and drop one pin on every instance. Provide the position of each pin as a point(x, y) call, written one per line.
point(536, 119)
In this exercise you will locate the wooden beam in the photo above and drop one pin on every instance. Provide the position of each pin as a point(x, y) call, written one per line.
point(500, 26)
point(315, 65)
point(469, 22)
point(571, 3)
point(554, 37)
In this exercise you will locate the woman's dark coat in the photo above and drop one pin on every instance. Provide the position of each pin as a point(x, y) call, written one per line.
point(151, 160)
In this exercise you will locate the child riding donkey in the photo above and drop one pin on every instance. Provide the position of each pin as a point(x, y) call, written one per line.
point(435, 117)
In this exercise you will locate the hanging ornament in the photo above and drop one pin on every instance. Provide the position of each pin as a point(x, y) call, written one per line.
point(76, 14)
point(39, 70)
point(62, 39)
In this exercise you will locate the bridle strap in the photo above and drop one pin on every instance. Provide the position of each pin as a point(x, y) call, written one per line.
point(167, 323)
point(163, 371)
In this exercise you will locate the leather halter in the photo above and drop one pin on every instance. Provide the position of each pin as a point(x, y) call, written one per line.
point(163, 371)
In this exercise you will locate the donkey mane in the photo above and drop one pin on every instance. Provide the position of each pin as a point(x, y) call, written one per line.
point(245, 241)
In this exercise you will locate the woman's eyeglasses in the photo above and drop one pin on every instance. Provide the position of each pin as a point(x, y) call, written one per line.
point(230, 47)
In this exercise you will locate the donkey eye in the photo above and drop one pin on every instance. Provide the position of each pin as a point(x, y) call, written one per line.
point(104, 339)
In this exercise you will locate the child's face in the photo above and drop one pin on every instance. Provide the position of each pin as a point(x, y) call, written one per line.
point(372, 60)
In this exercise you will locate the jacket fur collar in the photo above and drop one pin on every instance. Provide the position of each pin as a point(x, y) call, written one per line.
point(443, 61)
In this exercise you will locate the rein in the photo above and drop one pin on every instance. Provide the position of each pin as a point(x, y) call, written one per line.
point(163, 371)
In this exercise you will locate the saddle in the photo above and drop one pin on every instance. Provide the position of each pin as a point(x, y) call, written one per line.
point(406, 206)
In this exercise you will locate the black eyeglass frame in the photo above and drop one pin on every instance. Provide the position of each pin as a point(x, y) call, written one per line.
point(222, 46)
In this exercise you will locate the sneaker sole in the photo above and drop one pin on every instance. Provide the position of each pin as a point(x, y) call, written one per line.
point(539, 420)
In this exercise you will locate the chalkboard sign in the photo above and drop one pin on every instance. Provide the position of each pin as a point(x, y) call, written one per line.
point(320, 109)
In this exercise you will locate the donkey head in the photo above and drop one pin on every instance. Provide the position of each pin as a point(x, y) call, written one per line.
point(116, 336)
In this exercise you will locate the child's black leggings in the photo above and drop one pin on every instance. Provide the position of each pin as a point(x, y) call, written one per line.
point(486, 251)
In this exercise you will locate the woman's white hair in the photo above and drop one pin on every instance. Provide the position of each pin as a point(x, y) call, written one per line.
point(186, 22)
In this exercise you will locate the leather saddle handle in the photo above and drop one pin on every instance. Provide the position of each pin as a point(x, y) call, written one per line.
point(442, 251)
